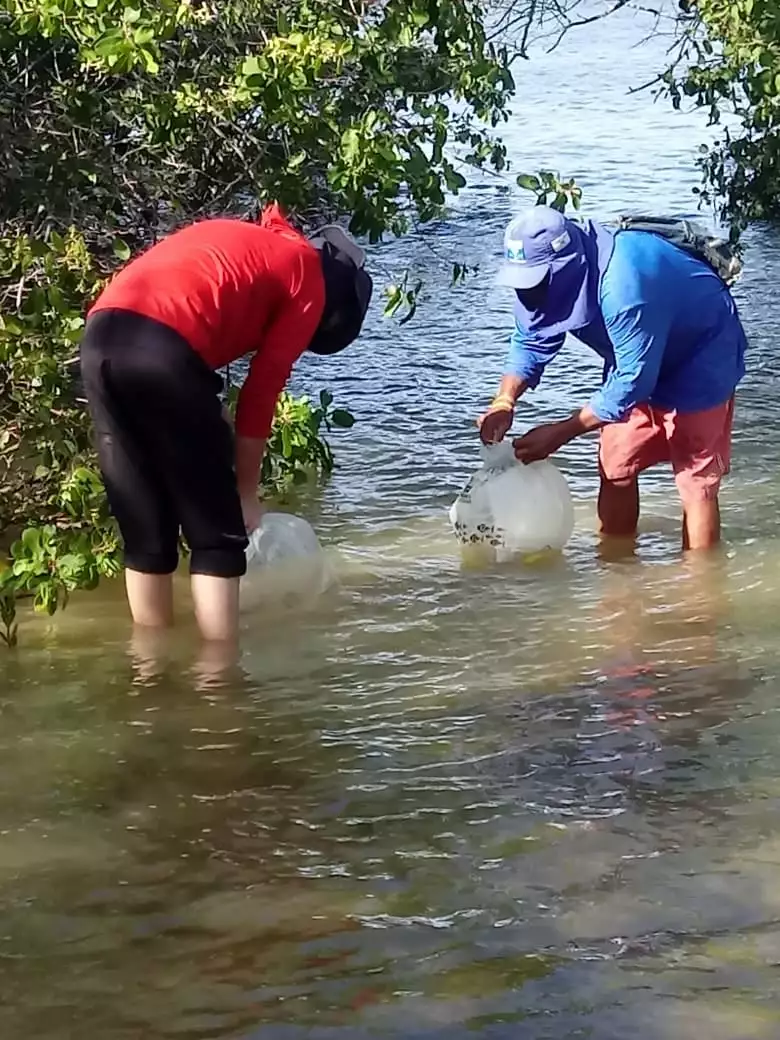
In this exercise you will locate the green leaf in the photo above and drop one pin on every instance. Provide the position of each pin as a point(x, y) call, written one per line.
point(143, 35)
point(528, 182)
point(110, 43)
point(559, 202)
point(121, 249)
point(395, 299)
point(350, 143)
point(342, 418)
point(250, 66)
point(31, 539)
point(454, 180)
point(46, 598)
point(411, 302)
point(286, 442)
point(71, 564)
point(150, 61)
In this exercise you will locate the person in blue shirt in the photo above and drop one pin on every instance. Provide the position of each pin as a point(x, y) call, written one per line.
point(673, 347)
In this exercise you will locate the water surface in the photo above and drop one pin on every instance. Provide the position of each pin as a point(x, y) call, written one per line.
point(440, 803)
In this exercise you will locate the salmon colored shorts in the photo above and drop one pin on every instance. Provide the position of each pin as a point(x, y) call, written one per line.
point(698, 445)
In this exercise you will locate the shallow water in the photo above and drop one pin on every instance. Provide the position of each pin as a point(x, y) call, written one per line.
point(526, 802)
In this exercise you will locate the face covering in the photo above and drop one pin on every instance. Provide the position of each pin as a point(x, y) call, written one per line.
point(348, 290)
point(533, 299)
point(570, 300)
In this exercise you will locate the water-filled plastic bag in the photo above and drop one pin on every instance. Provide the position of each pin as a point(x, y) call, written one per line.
point(285, 563)
point(512, 508)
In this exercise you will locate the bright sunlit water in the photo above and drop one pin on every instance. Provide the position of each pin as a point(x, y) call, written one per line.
point(524, 803)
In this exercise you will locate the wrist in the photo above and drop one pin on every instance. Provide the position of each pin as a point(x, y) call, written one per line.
point(585, 420)
point(503, 400)
point(249, 464)
point(571, 428)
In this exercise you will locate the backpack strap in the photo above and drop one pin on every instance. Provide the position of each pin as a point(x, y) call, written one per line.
point(716, 252)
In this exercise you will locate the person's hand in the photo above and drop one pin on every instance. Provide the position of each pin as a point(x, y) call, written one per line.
point(541, 442)
point(252, 509)
point(496, 423)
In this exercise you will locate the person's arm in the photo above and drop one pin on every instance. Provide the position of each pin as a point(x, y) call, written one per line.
point(269, 371)
point(270, 368)
point(529, 354)
point(250, 452)
point(545, 440)
point(510, 390)
point(638, 333)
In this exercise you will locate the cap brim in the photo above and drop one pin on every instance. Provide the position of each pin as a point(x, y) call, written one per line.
point(341, 240)
point(518, 276)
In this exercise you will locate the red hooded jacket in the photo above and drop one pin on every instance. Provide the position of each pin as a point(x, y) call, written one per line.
point(231, 288)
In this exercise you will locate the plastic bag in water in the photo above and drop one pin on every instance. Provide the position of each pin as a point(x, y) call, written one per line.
point(285, 563)
point(513, 508)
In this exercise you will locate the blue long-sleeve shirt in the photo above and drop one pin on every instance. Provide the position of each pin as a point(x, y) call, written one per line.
point(667, 329)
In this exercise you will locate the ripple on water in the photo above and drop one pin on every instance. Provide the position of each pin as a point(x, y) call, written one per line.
point(444, 802)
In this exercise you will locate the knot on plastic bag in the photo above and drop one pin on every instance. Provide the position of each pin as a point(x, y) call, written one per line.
point(497, 456)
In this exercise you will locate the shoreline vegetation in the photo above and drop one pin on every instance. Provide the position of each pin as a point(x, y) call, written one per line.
point(120, 121)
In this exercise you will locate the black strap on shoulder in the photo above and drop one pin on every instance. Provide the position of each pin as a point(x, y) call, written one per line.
point(716, 252)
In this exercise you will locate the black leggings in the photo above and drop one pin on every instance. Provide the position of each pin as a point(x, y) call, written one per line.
point(165, 450)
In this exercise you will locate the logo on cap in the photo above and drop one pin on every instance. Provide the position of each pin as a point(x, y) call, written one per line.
point(516, 253)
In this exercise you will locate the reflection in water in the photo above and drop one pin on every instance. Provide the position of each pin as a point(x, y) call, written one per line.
point(536, 799)
point(444, 802)
point(150, 653)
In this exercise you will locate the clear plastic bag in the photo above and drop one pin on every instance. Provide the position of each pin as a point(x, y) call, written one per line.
point(285, 563)
point(512, 508)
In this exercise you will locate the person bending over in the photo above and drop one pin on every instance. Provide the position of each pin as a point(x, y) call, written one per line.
point(673, 347)
point(206, 295)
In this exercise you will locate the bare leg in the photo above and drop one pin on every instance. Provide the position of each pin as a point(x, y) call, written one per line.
point(149, 648)
point(618, 507)
point(701, 524)
point(213, 666)
point(216, 607)
point(151, 598)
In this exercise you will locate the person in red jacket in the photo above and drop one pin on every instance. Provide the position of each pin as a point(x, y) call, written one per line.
point(204, 296)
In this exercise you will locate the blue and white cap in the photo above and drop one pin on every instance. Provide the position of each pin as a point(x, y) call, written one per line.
point(535, 243)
